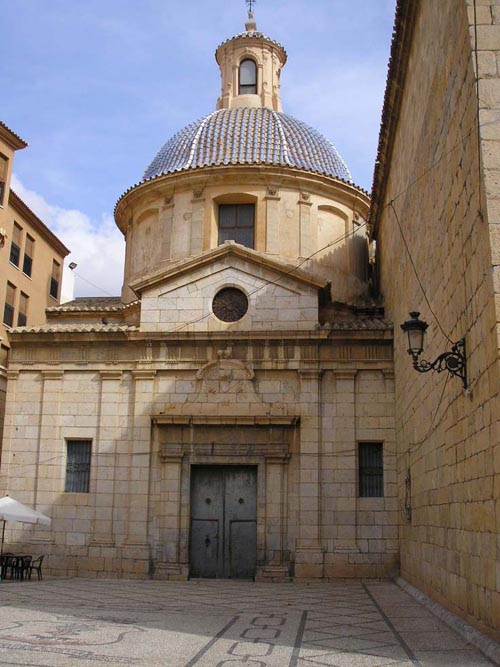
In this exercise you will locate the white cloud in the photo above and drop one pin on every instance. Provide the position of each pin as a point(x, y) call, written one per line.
point(97, 248)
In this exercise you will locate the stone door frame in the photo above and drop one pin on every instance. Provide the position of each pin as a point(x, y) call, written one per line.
point(175, 439)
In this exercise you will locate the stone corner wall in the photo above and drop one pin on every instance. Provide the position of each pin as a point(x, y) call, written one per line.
point(441, 208)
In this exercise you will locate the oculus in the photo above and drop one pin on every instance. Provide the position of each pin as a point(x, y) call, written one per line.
point(230, 304)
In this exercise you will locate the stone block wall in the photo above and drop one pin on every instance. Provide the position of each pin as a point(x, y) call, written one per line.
point(437, 253)
point(296, 409)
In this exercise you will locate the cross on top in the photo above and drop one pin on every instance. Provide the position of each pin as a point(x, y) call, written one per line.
point(250, 4)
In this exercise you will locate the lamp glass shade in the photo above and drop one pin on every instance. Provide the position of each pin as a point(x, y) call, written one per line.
point(415, 328)
point(416, 341)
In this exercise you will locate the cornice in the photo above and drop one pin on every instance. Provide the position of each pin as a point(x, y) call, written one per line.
point(13, 140)
point(404, 28)
point(228, 248)
point(336, 188)
point(17, 204)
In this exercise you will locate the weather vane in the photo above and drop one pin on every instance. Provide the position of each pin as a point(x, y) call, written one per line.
point(250, 4)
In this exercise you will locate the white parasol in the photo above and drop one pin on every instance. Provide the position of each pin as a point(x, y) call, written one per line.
point(13, 510)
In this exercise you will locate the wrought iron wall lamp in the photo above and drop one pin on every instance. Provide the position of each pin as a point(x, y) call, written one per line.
point(454, 362)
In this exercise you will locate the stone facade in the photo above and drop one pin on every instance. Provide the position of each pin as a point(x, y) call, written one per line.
point(294, 406)
point(436, 209)
point(286, 384)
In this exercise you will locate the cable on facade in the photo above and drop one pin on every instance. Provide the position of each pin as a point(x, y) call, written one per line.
point(391, 204)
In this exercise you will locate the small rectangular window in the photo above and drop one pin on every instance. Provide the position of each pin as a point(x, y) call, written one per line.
point(78, 466)
point(54, 279)
point(28, 255)
point(371, 470)
point(22, 316)
point(15, 246)
point(236, 223)
point(10, 299)
point(4, 163)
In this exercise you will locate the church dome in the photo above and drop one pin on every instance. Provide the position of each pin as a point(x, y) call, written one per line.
point(248, 136)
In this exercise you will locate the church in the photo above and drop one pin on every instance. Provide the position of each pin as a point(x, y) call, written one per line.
point(231, 415)
point(247, 408)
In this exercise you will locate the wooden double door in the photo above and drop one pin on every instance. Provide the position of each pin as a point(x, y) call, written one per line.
point(223, 531)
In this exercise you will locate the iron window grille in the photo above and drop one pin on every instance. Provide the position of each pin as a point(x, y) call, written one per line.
point(371, 470)
point(78, 466)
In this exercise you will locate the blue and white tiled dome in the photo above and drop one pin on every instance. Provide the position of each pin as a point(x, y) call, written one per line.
point(248, 136)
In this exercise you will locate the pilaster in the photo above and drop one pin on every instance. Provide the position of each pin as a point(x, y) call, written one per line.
point(345, 392)
point(105, 459)
point(309, 550)
point(139, 464)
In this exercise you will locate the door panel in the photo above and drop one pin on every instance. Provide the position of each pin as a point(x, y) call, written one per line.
point(223, 521)
point(242, 549)
point(204, 548)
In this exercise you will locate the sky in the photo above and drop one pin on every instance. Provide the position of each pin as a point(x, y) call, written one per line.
point(96, 87)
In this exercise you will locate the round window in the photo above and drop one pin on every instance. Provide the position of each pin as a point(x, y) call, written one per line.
point(230, 304)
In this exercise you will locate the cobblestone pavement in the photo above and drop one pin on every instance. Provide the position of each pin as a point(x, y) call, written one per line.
point(90, 622)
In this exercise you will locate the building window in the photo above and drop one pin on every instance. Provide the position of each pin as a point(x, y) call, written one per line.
point(78, 466)
point(236, 223)
point(371, 470)
point(248, 77)
point(29, 246)
point(54, 279)
point(15, 246)
point(4, 163)
point(8, 311)
point(22, 315)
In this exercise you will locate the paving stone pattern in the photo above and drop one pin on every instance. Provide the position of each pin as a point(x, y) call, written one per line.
point(80, 622)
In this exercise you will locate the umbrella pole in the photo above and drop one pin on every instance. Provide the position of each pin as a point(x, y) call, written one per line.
point(3, 536)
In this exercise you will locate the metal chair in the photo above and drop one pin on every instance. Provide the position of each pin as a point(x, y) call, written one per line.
point(36, 564)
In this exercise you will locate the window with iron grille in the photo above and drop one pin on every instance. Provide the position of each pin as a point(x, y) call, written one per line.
point(22, 315)
point(15, 246)
point(236, 223)
point(371, 470)
point(4, 163)
point(54, 279)
point(78, 466)
point(248, 77)
point(28, 255)
point(8, 311)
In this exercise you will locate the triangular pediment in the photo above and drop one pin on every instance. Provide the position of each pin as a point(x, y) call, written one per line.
point(228, 251)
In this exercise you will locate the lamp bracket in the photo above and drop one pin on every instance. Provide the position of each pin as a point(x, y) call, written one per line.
point(454, 362)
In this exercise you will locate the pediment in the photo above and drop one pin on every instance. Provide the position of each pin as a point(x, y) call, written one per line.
point(231, 254)
point(260, 294)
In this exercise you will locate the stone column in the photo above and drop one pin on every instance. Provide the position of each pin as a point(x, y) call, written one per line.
point(309, 550)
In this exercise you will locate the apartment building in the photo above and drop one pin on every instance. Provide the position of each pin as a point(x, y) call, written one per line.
point(31, 259)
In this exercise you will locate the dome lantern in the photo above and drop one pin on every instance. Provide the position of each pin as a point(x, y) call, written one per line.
point(250, 65)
